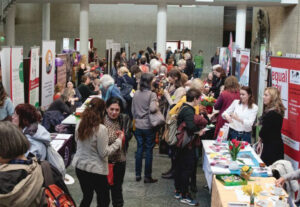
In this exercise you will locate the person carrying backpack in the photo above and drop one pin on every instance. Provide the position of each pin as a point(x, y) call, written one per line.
point(185, 156)
point(26, 183)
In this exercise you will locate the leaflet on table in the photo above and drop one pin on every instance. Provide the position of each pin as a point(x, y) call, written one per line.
point(63, 136)
point(57, 143)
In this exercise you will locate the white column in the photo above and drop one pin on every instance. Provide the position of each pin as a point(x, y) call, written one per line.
point(161, 36)
point(10, 25)
point(240, 31)
point(84, 27)
point(46, 21)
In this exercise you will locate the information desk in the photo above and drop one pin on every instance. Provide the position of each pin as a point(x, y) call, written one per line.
point(223, 195)
point(215, 161)
point(63, 144)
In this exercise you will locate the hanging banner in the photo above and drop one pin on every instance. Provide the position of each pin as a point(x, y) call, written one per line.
point(286, 77)
point(242, 68)
point(48, 72)
point(116, 47)
point(224, 57)
point(62, 69)
point(5, 68)
point(34, 77)
point(17, 76)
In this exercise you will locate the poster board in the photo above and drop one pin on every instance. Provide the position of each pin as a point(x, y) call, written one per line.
point(17, 76)
point(34, 77)
point(62, 70)
point(48, 72)
point(286, 77)
point(12, 73)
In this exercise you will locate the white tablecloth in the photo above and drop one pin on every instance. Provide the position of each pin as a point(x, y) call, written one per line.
point(209, 170)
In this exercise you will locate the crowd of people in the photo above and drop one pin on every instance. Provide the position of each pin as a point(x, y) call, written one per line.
point(132, 92)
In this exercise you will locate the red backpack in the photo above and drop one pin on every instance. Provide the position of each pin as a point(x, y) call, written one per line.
point(55, 196)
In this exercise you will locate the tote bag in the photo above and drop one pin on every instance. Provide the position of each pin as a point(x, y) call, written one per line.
point(156, 119)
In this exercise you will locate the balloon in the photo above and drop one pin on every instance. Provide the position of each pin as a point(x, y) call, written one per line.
point(58, 62)
point(279, 53)
point(79, 57)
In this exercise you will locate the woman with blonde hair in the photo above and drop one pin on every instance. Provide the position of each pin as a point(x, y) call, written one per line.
point(271, 122)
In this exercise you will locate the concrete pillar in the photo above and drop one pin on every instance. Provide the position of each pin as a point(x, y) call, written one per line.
point(10, 25)
point(84, 26)
point(161, 35)
point(46, 21)
point(240, 34)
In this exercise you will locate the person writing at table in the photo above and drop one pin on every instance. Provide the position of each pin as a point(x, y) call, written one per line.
point(241, 115)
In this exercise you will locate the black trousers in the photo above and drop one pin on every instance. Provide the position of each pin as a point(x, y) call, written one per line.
point(116, 189)
point(185, 161)
point(90, 182)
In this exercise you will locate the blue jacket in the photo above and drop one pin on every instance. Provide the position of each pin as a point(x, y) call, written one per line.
point(39, 139)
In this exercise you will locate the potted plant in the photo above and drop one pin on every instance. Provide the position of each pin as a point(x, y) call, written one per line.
point(252, 191)
point(208, 102)
point(234, 148)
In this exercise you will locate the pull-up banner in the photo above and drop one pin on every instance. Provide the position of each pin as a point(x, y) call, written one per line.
point(48, 72)
point(286, 77)
point(12, 73)
point(34, 77)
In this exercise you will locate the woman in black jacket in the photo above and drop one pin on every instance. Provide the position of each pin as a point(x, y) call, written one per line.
point(218, 81)
point(271, 121)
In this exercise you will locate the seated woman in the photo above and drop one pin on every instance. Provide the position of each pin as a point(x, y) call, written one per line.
point(25, 184)
point(73, 95)
point(58, 90)
point(61, 106)
point(6, 105)
point(27, 118)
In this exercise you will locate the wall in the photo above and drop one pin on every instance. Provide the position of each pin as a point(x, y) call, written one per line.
point(135, 24)
point(284, 28)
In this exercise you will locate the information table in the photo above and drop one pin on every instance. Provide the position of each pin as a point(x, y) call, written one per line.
point(63, 144)
point(215, 161)
point(222, 195)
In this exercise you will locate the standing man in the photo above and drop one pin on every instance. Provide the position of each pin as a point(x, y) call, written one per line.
point(198, 64)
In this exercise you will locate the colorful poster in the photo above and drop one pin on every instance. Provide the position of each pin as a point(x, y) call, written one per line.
point(17, 76)
point(48, 72)
point(34, 77)
point(286, 77)
point(242, 70)
point(62, 70)
point(5, 68)
point(223, 58)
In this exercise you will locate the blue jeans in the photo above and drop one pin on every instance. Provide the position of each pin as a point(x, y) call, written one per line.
point(198, 72)
point(242, 136)
point(144, 137)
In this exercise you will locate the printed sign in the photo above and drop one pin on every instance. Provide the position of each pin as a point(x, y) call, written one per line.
point(34, 77)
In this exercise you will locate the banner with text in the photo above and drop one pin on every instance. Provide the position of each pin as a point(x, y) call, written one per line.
point(48, 72)
point(34, 77)
point(17, 76)
point(286, 77)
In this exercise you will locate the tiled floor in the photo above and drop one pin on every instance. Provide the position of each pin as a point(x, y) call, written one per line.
point(138, 194)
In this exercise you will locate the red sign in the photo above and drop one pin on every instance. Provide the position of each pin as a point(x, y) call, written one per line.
point(286, 77)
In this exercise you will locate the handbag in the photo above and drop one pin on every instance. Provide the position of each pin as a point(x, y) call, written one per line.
point(110, 176)
point(156, 119)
